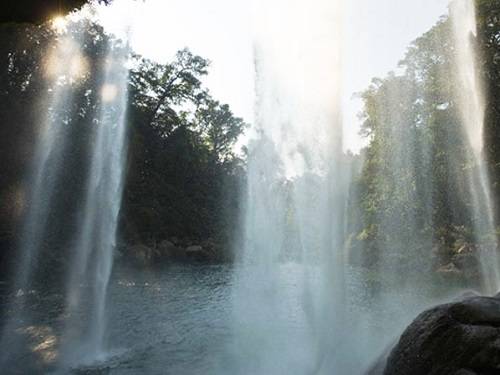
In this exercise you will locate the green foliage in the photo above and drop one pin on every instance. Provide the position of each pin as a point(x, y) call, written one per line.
point(183, 175)
point(414, 184)
point(38, 11)
point(488, 15)
point(219, 128)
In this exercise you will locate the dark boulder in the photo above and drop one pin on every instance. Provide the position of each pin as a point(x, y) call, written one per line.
point(169, 251)
point(460, 338)
point(140, 255)
point(198, 253)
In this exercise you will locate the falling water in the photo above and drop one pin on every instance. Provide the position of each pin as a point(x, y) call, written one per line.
point(91, 267)
point(471, 101)
point(289, 281)
point(64, 68)
point(91, 251)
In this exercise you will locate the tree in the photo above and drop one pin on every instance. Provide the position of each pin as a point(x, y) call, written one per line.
point(158, 90)
point(219, 128)
point(413, 189)
point(183, 172)
point(38, 11)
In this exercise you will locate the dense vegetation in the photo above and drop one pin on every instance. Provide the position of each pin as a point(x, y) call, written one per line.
point(184, 177)
point(410, 199)
point(38, 11)
point(414, 191)
point(182, 174)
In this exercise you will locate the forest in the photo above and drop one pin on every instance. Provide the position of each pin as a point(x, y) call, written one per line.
point(183, 173)
point(146, 227)
point(410, 196)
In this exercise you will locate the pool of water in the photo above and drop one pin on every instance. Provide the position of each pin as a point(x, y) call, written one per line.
point(174, 321)
point(200, 319)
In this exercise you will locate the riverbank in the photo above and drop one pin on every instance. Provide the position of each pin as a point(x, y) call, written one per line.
point(173, 250)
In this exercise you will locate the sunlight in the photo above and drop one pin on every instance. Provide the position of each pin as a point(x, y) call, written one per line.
point(282, 187)
point(59, 24)
point(43, 342)
point(109, 92)
point(78, 67)
point(66, 60)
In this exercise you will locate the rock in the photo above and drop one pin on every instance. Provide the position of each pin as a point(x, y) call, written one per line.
point(213, 249)
point(168, 250)
point(166, 244)
point(197, 252)
point(460, 338)
point(142, 255)
point(466, 295)
point(469, 263)
point(450, 271)
point(465, 248)
point(194, 249)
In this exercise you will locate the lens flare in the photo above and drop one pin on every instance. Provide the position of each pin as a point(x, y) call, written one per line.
point(78, 67)
point(109, 92)
point(66, 61)
point(59, 24)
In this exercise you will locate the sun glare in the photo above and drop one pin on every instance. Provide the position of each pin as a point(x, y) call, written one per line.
point(66, 60)
point(109, 92)
point(59, 24)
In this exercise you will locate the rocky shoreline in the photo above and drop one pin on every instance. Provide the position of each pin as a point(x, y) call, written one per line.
point(173, 250)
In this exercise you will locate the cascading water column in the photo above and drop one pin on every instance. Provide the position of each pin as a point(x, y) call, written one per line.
point(288, 287)
point(92, 264)
point(65, 67)
point(471, 102)
point(88, 233)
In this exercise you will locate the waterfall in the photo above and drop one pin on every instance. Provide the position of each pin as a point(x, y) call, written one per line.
point(291, 265)
point(471, 106)
point(65, 67)
point(91, 266)
point(289, 279)
point(88, 235)
point(47, 161)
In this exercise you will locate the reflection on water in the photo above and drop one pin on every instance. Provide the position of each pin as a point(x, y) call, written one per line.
point(173, 321)
point(181, 320)
point(169, 321)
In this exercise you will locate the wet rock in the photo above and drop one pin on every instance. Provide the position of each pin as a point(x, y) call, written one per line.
point(460, 338)
point(194, 249)
point(167, 250)
point(450, 271)
point(142, 255)
point(466, 295)
point(165, 246)
point(213, 250)
point(468, 262)
point(173, 250)
point(196, 252)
